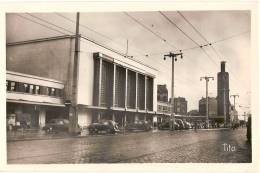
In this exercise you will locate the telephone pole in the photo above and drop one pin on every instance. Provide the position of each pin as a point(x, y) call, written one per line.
point(174, 58)
point(234, 99)
point(207, 78)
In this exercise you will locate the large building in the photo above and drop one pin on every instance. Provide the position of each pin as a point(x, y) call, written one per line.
point(212, 106)
point(180, 105)
point(162, 93)
point(223, 94)
point(43, 81)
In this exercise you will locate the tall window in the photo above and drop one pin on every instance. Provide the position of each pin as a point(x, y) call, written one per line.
point(131, 87)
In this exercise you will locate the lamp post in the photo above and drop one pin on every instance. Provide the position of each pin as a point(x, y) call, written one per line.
point(174, 58)
point(207, 99)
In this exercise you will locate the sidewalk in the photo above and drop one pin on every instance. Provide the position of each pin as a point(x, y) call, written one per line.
point(37, 134)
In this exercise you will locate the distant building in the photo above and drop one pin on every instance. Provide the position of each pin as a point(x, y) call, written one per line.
point(163, 107)
point(193, 113)
point(223, 93)
point(233, 115)
point(212, 106)
point(162, 93)
point(180, 105)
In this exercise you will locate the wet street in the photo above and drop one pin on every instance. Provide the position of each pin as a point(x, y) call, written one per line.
point(214, 146)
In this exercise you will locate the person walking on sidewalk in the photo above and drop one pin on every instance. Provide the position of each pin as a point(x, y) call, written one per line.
point(195, 126)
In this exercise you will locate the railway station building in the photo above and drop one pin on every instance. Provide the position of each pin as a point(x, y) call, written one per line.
point(41, 83)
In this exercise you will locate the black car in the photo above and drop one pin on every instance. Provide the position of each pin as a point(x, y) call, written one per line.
point(166, 125)
point(140, 125)
point(105, 126)
point(181, 124)
point(187, 125)
point(59, 125)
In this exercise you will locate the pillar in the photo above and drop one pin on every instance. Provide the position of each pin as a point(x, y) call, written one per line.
point(126, 77)
point(145, 83)
point(42, 117)
point(136, 91)
point(114, 86)
point(113, 116)
point(136, 117)
point(99, 81)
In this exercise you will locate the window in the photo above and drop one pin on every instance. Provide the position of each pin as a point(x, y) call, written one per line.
point(57, 92)
point(13, 86)
point(52, 91)
point(30, 89)
point(36, 89)
point(26, 88)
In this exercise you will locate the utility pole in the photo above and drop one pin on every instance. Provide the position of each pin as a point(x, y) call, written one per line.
point(73, 114)
point(207, 78)
point(234, 100)
point(174, 58)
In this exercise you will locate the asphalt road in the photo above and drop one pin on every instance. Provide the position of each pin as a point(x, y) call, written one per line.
point(203, 146)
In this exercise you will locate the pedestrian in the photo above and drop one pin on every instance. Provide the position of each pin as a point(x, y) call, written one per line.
point(248, 130)
point(195, 126)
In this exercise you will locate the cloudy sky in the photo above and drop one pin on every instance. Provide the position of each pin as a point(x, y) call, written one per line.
point(150, 35)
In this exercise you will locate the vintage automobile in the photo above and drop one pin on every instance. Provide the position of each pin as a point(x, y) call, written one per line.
point(59, 125)
point(187, 125)
point(140, 125)
point(166, 125)
point(181, 124)
point(104, 126)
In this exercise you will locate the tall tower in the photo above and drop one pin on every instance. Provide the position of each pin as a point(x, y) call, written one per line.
point(223, 94)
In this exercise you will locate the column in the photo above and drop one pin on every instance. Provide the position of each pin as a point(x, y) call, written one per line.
point(145, 90)
point(99, 116)
point(99, 81)
point(113, 116)
point(136, 91)
point(114, 86)
point(42, 117)
point(126, 77)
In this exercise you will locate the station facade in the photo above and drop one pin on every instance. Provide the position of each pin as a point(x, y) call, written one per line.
point(40, 83)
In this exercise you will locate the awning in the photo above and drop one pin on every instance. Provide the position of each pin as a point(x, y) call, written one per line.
point(34, 103)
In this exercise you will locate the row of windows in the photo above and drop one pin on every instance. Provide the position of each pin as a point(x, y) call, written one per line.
point(164, 108)
point(32, 89)
point(134, 89)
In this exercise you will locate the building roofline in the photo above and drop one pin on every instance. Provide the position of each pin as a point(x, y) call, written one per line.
point(40, 40)
point(34, 77)
point(73, 36)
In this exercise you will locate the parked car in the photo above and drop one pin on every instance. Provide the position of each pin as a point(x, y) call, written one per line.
point(181, 124)
point(139, 125)
point(166, 126)
point(59, 125)
point(107, 126)
point(187, 125)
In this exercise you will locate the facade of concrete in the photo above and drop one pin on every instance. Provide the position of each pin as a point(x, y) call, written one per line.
point(108, 85)
point(212, 106)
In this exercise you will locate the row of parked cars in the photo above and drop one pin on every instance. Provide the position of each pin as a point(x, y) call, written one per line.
point(178, 125)
point(109, 126)
point(104, 126)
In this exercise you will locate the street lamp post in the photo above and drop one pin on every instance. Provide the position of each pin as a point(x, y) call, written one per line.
point(207, 78)
point(174, 58)
point(234, 99)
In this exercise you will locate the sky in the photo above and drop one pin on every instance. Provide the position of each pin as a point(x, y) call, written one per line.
point(150, 35)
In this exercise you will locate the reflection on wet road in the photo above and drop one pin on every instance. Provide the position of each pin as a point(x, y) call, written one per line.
point(142, 147)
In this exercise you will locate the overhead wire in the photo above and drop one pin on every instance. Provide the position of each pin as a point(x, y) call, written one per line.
point(40, 24)
point(148, 29)
point(98, 33)
point(204, 38)
point(184, 33)
point(64, 33)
